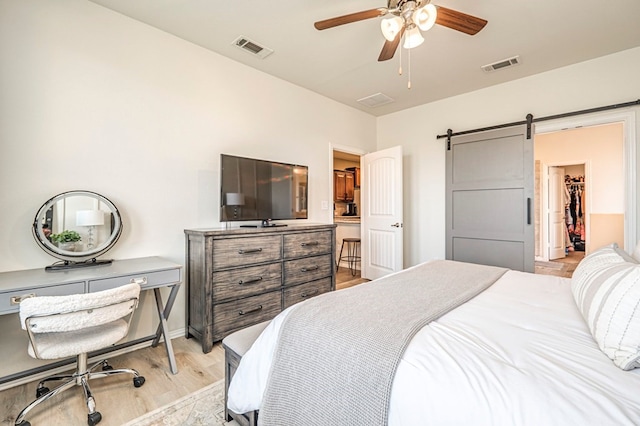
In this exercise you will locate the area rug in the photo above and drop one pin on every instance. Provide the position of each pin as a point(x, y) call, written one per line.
point(202, 407)
point(550, 265)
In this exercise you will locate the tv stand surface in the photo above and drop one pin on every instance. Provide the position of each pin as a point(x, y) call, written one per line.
point(271, 225)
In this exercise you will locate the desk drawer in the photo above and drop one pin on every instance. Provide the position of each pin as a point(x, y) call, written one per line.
point(9, 305)
point(307, 269)
point(245, 251)
point(146, 280)
point(298, 293)
point(232, 316)
point(307, 244)
point(242, 282)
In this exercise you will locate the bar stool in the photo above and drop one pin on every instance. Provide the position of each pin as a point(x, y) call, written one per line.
point(353, 254)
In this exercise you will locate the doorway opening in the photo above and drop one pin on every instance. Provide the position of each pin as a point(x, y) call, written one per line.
point(346, 215)
point(581, 189)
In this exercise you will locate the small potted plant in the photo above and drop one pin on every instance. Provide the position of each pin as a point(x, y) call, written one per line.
point(66, 240)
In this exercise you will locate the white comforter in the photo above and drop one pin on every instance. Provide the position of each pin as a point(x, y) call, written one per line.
point(518, 354)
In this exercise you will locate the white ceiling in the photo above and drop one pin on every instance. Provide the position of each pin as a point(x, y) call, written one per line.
point(341, 62)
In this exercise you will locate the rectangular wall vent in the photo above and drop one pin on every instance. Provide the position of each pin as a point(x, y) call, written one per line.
point(252, 47)
point(505, 63)
point(376, 100)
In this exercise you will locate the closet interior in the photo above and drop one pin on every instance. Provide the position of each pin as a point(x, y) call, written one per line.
point(575, 214)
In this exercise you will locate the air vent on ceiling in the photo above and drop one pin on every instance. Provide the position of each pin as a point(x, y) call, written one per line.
point(505, 63)
point(252, 47)
point(376, 100)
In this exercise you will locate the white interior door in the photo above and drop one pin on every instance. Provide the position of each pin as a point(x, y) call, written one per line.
point(557, 227)
point(381, 215)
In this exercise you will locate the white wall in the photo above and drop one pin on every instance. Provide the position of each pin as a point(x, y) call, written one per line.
point(604, 81)
point(93, 100)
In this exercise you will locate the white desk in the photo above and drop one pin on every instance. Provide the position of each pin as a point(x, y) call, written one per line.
point(152, 273)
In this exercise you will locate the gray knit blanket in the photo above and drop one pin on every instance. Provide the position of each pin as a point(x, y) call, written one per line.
point(337, 354)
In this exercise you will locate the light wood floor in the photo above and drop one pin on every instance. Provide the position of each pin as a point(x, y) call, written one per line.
point(345, 279)
point(116, 397)
point(563, 267)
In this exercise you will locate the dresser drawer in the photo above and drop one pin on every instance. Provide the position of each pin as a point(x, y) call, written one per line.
point(147, 280)
point(241, 282)
point(307, 244)
point(298, 293)
point(10, 301)
point(232, 252)
point(232, 316)
point(307, 269)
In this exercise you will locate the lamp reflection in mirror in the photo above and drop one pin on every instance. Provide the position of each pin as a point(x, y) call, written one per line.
point(235, 199)
point(90, 218)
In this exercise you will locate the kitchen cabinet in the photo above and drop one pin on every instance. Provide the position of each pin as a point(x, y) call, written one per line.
point(356, 175)
point(343, 185)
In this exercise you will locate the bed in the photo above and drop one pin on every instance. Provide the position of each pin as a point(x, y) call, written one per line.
point(527, 350)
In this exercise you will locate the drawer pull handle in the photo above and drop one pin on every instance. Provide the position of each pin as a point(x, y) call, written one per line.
point(15, 300)
point(309, 294)
point(250, 311)
point(247, 251)
point(309, 244)
point(139, 281)
point(253, 280)
point(309, 269)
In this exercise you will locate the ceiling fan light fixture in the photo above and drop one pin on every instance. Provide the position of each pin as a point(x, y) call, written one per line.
point(391, 27)
point(425, 17)
point(412, 38)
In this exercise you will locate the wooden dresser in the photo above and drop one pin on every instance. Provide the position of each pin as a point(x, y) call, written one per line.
point(239, 277)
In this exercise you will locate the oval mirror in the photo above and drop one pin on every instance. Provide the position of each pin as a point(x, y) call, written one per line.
point(77, 227)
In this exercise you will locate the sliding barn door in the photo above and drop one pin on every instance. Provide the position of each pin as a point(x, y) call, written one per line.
point(489, 199)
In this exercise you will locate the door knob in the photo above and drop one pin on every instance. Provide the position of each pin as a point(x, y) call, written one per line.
point(397, 225)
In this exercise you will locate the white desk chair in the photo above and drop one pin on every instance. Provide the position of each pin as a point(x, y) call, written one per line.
point(74, 325)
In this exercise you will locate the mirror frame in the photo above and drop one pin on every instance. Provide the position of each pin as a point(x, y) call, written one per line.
point(72, 256)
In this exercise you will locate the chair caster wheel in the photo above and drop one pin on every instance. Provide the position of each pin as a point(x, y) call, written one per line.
point(94, 418)
point(23, 423)
point(138, 381)
point(107, 367)
point(41, 391)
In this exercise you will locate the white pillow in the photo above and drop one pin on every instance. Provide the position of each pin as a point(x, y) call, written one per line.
point(606, 288)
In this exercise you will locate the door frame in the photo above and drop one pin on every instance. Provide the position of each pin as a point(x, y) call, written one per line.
point(544, 202)
point(628, 120)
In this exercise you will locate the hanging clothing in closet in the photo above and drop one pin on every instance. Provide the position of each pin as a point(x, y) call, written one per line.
point(574, 210)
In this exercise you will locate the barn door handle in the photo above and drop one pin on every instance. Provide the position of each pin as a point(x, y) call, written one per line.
point(528, 211)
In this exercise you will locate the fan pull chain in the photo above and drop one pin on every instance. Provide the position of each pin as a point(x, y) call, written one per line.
point(409, 65)
point(400, 64)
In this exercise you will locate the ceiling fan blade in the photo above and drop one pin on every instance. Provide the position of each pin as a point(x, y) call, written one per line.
point(459, 21)
point(390, 47)
point(352, 17)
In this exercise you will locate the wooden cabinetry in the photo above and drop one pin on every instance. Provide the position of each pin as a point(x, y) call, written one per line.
point(356, 175)
point(343, 185)
point(240, 277)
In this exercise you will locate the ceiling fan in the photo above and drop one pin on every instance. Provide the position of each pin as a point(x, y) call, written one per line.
point(408, 16)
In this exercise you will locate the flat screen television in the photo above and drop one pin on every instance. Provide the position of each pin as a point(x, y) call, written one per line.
point(261, 190)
